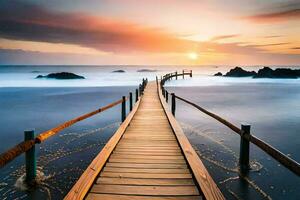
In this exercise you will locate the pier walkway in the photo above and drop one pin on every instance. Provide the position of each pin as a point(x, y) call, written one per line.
point(147, 158)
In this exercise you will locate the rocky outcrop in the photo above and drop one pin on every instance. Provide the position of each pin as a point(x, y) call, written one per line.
point(61, 75)
point(265, 72)
point(239, 72)
point(146, 70)
point(218, 74)
point(118, 71)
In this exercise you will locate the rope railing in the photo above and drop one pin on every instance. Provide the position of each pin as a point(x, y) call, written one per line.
point(244, 132)
point(28, 145)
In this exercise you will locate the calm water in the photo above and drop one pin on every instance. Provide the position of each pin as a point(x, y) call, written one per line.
point(269, 105)
point(272, 109)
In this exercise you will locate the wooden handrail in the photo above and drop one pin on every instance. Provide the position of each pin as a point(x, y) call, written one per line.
point(286, 161)
point(12, 153)
point(45, 135)
point(22, 147)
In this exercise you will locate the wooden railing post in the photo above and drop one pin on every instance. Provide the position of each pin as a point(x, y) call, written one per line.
point(176, 74)
point(244, 148)
point(163, 92)
point(173, 106)
point(191, 74)
point(136, 95)
point(30, 159)
point(130, 101)
point(167, 96)
point(140, 90)
point(123, 109)
point(182, 74)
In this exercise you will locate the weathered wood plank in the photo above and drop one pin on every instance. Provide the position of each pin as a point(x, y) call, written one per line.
point(94, 196)
point(143, 175)
point(149, 165)
point(124, 156)
point(145, 190)
point(143, 161)
point(142, 181)
point(151, 170)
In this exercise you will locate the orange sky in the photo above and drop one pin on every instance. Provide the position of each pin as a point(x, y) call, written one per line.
point(150, 32)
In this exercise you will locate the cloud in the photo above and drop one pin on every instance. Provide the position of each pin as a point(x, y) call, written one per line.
point(278, 12)
point(23, 21)
point(268, 45)
point(296, 48)
point(221, 37)
point(29, 22)
point(272, 36)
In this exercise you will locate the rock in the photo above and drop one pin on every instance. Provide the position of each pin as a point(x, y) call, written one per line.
point(239, 72)
point(118, 71)
point(267, 72)
point(61, 75)
point(146, 70)
point(218, 74)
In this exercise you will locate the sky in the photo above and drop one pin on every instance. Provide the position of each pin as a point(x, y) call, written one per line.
point(150, 32)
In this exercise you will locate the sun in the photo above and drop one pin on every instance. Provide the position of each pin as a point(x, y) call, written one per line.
point(193, 56)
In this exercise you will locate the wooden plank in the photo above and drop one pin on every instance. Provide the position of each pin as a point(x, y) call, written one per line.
point(143, 175)
point(148, 153)
point(124, 156)
point(149, 148)
point(151, 170)
point(149, 165)
point(86, 180)
point(94, 196)
point(145, 190)
point(142, 181)
point(144, 161)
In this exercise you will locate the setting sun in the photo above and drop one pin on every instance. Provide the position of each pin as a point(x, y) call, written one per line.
point(193, 56)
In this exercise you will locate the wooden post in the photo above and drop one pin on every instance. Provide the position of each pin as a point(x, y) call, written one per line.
point(167, 96)
point(140, 90)
point(136, 95)
point(176, 74)
point(123, 109)
point(130, 101)
point(30, 159)
point(163, 92)
point(173, 106)
point(182, 74)
point(244, 148)
point(191, 74)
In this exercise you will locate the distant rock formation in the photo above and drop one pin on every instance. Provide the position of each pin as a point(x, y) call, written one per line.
point(218, 74)
point(265, 72)
point(239, 72)
point(118, 71)
point(146, 70)
point(61, 75)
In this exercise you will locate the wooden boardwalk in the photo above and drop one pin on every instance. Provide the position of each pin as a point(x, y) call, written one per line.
point(146, 161)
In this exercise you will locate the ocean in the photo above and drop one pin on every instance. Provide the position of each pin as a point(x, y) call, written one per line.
point(271, 106)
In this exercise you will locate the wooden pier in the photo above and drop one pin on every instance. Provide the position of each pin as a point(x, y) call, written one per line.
point(148, 157)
